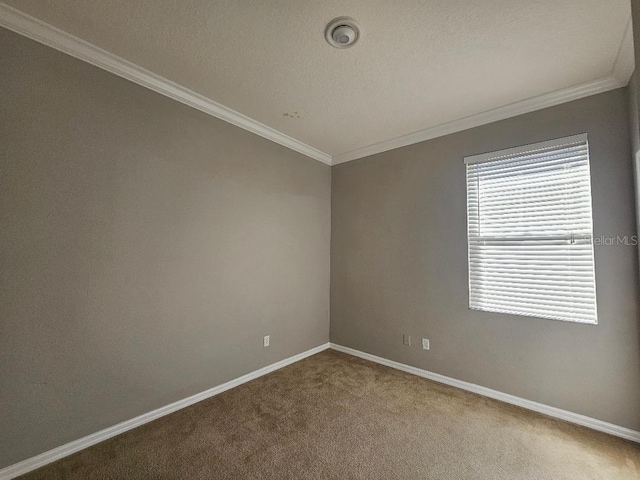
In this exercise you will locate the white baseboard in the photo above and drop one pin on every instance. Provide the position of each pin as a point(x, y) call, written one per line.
point(576, 418)
point(50, 456)
point(45, 458)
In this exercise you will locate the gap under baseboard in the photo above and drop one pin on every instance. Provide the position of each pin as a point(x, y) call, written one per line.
point(565, 415)
point(67, 449)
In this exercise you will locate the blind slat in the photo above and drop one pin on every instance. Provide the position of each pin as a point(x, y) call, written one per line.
point(529, 226)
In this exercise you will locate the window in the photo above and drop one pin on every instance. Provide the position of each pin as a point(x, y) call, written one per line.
point(530, 231)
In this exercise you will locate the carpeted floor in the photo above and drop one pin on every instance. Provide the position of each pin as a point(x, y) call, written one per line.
point(340, 417)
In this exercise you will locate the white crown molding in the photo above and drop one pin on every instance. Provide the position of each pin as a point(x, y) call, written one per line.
point(619, 77)
point(489, 116)
point(37, 30)
point(45, 458)
point(23, 24)
point(565, 415)
point(625, 59)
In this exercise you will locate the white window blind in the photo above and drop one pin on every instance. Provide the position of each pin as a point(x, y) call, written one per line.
point(530, 231)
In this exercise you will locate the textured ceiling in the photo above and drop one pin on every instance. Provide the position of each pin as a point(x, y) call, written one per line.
point(417, 65)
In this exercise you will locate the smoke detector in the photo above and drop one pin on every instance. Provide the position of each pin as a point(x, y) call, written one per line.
point(342, 32)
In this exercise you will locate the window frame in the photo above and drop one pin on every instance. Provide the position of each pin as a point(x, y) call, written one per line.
point(562, 142)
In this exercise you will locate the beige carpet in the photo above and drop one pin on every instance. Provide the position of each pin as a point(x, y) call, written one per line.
point(337, 416)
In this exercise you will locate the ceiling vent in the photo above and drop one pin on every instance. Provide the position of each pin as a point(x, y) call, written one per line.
point(342, 32)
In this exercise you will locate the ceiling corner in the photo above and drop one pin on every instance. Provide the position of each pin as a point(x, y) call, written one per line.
point(625, 59)
point(19, 22)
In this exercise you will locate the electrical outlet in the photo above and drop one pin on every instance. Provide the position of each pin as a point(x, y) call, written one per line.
point(266, 340)
point(406, 340)
point(425, 344)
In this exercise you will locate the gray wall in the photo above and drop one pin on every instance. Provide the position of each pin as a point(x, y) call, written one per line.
point(399, 265)
point(634, 106)
point(145, 249)
point(634, 124)
point(634, 117)
point(634, 83)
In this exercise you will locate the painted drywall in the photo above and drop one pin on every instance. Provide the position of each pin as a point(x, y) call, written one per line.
point(634, 113)
point(634, 107)
point(634, 83)
point(634, 124)
point(145, 249)
point(399, 266)
point(280, 71)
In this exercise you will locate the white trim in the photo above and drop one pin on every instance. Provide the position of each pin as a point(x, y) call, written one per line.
point(45, 458)
point(508, 111)
point(621, 72)
point(19, 22)
point(24, 24)
point(625, 59)
point(532, 147)
point(565, 415)
point(50, 456)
